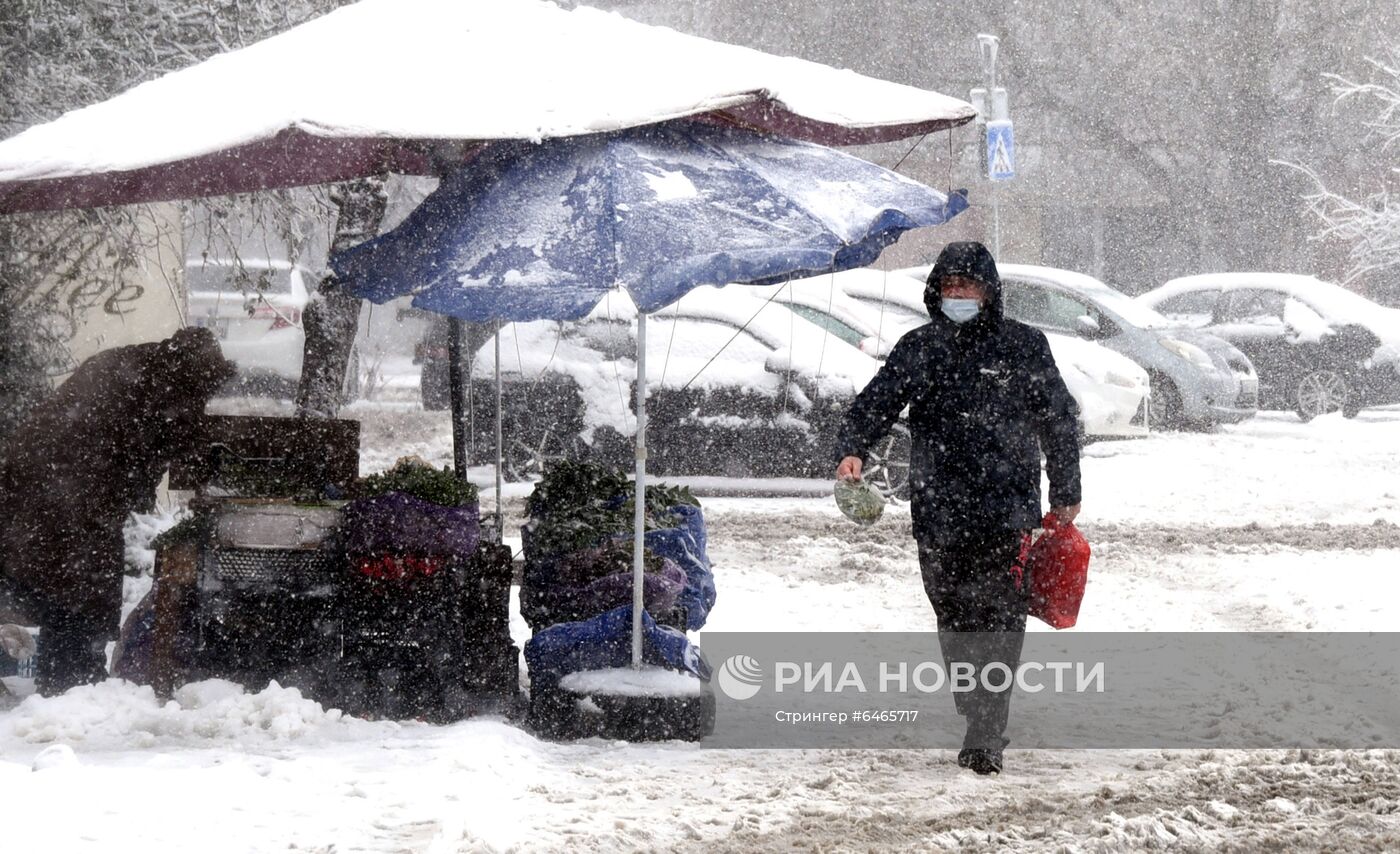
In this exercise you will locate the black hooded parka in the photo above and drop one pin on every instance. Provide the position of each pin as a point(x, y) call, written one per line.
point(985, 400)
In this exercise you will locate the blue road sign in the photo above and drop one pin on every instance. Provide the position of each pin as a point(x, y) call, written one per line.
point(1001, 150)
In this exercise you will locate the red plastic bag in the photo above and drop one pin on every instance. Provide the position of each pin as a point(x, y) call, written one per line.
point(1058, 564)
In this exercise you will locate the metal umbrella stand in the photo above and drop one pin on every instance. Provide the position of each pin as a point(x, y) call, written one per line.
point(457, 387)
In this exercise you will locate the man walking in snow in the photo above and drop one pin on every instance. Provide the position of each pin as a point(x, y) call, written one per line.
point(985, 400)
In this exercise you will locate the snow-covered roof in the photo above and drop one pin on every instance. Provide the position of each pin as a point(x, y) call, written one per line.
point(413, 85)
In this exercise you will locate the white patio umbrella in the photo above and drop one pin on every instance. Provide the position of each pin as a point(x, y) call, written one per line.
point(416, 86)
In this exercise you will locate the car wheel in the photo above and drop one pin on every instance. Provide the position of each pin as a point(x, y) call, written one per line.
point(1320, 392)
point(1164, 406)
point(526, 454)
point(887, 465)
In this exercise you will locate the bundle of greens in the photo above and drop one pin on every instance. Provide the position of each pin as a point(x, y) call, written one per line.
point(194, 528)
point(579, 504)
point(415, 476)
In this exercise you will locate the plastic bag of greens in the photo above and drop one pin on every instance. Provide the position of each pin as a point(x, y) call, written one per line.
point(861, 502)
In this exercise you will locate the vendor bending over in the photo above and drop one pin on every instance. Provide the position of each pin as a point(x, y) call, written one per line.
point(72, 472)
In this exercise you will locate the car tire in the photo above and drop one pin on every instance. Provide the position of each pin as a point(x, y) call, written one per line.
point(1320, 391)
point(526, 455)
point(887, 465)
point(1164, 406)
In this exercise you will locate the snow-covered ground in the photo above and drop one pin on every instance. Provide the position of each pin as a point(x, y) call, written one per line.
point(1270, 525)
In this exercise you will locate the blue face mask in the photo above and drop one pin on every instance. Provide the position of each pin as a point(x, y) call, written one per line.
point(961, 310)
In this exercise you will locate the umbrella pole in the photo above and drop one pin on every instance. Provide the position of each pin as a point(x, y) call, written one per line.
point(455, 387)
point(500, 513)
point(639, 525)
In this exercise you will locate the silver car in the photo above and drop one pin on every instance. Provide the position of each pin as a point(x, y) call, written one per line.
point(1198, 379)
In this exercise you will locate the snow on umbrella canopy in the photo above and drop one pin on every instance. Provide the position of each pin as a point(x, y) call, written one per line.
point(543, 231)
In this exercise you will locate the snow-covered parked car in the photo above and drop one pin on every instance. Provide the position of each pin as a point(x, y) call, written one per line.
point(823, 301)
point(1318, 347)
point(255, 309)
point(1112, 391)
point(1198, 379)
point(737, 386)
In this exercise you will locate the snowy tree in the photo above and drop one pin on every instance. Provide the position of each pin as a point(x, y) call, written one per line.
point(1145, 131)
point(58, 55)
point(1369, 225)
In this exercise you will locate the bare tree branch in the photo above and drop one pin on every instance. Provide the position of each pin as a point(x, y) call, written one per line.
point(1369, 226)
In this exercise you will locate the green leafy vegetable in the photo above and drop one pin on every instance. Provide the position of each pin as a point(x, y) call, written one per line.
point(416, 477)
point(578, 504)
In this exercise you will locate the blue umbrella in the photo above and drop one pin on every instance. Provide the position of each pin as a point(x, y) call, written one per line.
point(544, 231)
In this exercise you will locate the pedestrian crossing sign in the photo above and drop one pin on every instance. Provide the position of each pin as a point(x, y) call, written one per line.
point(1001, 150)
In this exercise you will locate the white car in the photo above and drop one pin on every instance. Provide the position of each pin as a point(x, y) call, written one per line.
point(737, 387)
point(822, 301)
point(255, 311)
point(1112, 391)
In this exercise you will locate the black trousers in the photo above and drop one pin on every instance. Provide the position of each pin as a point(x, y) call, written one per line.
point(981, 605)
point(72, 649)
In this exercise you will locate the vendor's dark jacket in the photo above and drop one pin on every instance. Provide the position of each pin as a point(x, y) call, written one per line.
point(985, 399)
point(89, 455)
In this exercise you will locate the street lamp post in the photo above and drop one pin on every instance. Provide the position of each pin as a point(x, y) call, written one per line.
point(994, 117)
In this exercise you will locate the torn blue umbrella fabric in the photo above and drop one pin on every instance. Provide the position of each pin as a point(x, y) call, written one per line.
point(530, 231)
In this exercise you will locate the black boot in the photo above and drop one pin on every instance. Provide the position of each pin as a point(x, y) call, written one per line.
point(983, 760)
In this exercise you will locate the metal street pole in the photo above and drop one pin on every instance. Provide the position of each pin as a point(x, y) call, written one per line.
point(993, 116)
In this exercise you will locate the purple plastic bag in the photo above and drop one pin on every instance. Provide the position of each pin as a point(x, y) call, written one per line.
point(659, 590)
point(565, 603)
point(399, 524)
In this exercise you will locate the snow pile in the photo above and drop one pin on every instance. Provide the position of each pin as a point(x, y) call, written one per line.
point(139, 532)
point(118, 715)
point(633, 682)
point(55, 756)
